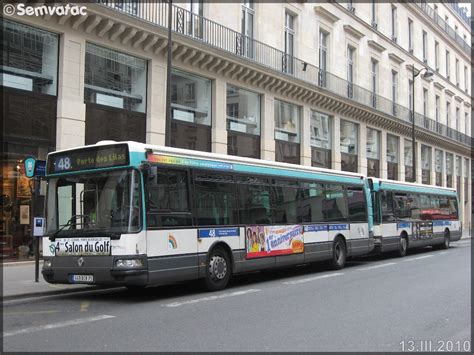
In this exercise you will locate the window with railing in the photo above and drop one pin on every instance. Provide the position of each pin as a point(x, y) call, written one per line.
point(448, 66)
point(323, 57)
point(425, 102)
point(466, 79)
point(456, 69)
point(410, 98)
point(394, 23)
point(374, 83)
point(437, 108)
point(458, 119)
point(448, 113)
point(410, 35)
point(436, 56)
point(394, 92)
point(425, 47)
point(248, 15)
point(350, 71)
point(288, 65)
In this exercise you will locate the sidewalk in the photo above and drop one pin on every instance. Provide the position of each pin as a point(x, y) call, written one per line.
point(19, 281)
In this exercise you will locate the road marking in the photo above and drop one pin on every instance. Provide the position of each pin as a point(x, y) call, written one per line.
point(376, 266)
point(309, 279)
point(420, 257)
point(444, 252)
point(210, 298)
point(29, 312)
point(56, 325)
point(85, 306)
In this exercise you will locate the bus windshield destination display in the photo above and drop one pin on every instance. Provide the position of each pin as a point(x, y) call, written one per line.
point(89, 158)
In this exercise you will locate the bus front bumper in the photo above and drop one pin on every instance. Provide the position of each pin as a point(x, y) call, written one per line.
point(95, 270)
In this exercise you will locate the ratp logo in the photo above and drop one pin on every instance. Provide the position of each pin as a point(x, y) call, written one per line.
point(172, 243)
point(59, 10)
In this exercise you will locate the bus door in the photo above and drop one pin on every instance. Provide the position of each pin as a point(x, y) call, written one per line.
point(358, 217)
point(389, 227)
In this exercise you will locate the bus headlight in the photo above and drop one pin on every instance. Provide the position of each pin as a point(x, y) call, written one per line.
point(129, 263)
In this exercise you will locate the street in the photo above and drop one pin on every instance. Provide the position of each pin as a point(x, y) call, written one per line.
point(379, 303)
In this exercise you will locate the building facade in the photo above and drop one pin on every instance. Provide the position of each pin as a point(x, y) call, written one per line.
point(332, 85)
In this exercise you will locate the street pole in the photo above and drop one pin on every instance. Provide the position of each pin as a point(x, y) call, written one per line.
point(168, 78)
point(36, 239)
point(413, 122)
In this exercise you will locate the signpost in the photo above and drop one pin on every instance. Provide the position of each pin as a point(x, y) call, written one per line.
point(35, 169)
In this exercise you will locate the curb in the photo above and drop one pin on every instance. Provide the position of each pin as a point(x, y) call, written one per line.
point(21, 296)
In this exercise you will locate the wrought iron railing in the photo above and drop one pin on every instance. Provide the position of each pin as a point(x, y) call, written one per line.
point(428, 10)
point(188, 24)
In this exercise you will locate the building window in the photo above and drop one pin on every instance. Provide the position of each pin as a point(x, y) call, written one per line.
point(373, 152)
point(425, 165)
point(394, 92)
point(437, 108)
point(288, 58)
point(438, 167)
point(243, 122)
point(410, 97)
point(466, 80)
point(410, 35)
point(408, 158)
point(248, 14)
point(30, 58)
point(130, 6)
point(466, 123)
point(458, 119)
point(190, 111)
point(287, 132)
point(456, 68)
point(436, 56)
point(448, 71)
point(448, 109)
point(425, 47)
point(392, 157)
point(425, 102)
point(115, 95)
point(374, 70)
point(350, 71)
point(323, 57)
point(394, 24)
point(349, 146)
point(321, 140)
point(449, 170)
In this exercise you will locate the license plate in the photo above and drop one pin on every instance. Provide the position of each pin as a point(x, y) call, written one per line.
point(82, 246)
point(86, 279)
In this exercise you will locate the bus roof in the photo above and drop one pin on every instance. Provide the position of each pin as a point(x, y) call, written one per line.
point(248, 165)
point(384, 184)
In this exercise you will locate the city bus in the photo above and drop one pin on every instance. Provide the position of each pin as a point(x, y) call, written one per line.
point(409, 215)
point(132, 214)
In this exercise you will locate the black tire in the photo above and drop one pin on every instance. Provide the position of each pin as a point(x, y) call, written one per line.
point(447, 240)
point(218, 270)
point(402, 246)
point(339, 254)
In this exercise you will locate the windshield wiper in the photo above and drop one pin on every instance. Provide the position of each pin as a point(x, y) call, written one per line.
point(68, 224)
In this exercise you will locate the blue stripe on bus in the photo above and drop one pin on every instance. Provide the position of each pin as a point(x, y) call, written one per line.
point(316, 228)
point(420, 189)
point(441, 223)
point(339, 227)
point(218, 232)
point(403, 225)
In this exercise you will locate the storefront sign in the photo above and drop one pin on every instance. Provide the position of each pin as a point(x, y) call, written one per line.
point(273, 240)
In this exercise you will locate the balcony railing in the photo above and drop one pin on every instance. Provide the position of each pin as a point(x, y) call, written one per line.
point(188, 24)
point(430, 12)
point(461, 11)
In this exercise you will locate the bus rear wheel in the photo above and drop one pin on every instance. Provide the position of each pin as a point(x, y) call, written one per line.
point(218, 270)
point(447, 240)
point(339, 254)
point(402, 246)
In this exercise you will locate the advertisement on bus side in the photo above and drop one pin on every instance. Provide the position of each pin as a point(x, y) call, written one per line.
point(265, 241)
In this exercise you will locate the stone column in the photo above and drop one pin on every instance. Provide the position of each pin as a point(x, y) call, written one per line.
point(268, 128)
point(219, 117)
point(362, 153)
point(71, 110)
point(305, 133)
point(156, 102)
point(383, 155)
point(336, 144)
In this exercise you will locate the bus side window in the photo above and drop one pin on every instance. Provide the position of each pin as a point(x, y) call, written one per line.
point(388, 214)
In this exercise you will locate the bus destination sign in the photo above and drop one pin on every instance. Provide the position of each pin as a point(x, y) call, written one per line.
point(88, 158)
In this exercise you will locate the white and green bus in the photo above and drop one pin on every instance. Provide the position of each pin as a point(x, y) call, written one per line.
point(126, 213)
point(408, 215)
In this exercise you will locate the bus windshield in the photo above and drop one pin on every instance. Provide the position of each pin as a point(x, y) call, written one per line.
point(82, 203)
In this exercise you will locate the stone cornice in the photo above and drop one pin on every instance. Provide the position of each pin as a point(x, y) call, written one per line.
point(326, 14)
point(395, 58)
point(353, 31)
point(377, 46)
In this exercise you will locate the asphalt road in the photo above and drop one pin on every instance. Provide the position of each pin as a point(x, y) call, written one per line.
point(374, 304)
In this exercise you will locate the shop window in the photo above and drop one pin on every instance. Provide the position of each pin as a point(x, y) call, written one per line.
point(30, 58)
point(449, 170)
point(392, 157)
point(425, 165)
point(287, 132)
point(349, 145)
point(438, 167)
point(408, 158)
point(321, 140)
point(373, 152)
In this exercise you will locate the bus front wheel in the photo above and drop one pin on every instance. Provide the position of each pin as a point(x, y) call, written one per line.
point(218, 270)
point(402, 246)
point(339, 254)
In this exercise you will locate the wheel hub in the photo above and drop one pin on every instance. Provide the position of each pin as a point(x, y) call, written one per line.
point(218, 267)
